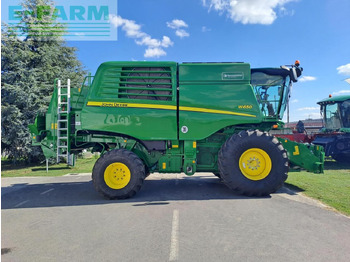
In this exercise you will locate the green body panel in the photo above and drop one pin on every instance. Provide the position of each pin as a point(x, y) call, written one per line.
point(175, 117)
point(172, 160)
point(205, 88)
point(129, 121)
point(44, 129)
point(116, 113)
point(208, 150)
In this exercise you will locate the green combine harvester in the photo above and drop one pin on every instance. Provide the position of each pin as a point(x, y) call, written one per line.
point(335, 135)
point(166, 117)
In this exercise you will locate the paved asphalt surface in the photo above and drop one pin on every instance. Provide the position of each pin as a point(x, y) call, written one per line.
point(172, 218)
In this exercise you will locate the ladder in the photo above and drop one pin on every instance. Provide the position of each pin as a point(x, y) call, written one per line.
point(63, 122)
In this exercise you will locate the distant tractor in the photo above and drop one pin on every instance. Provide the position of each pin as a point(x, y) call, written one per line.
point(166, 117)
point(335, 135)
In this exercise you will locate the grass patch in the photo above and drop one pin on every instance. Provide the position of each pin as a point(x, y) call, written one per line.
point(331, 188)
point(20, 170)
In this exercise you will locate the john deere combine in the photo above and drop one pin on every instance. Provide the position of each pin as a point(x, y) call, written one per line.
point(167, 117)
point(335, 135)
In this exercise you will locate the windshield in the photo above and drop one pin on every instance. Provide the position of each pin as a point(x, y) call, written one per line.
point(332, 116)
point(272, 93)
point(345, 113)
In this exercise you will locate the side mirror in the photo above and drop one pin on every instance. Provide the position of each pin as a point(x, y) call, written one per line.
point(296, 72)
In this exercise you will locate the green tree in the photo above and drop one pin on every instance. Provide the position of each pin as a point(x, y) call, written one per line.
point(33, 54)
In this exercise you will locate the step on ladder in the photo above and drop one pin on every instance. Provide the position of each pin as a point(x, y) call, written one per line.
point(63, 122)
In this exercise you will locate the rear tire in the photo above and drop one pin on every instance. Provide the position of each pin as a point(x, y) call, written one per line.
point(118, 174)
point(253, 163)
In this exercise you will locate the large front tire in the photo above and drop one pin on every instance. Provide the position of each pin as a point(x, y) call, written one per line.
point(118, 174)
point(253, 163)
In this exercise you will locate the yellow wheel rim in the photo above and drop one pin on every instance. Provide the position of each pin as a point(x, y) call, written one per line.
point(117, 175)
point(255, 164)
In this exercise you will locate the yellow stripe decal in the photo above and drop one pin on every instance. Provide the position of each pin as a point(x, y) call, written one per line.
point(213, 111)
point(167, 107)
point(115, 104)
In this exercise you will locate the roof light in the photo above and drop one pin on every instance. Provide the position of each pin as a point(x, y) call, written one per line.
point(297, 62)
point(330, 96)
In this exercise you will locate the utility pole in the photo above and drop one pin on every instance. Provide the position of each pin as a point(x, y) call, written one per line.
point(288, 112)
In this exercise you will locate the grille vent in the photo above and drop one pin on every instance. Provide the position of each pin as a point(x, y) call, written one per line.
point(151, 83)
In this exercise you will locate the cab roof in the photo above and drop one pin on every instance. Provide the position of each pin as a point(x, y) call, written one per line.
point(334, 99)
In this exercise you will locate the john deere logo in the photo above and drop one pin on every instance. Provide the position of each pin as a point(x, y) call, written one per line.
point(232, 76)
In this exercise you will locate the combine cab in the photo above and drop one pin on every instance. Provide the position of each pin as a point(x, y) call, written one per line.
point(166, 117)
point(335, 135)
